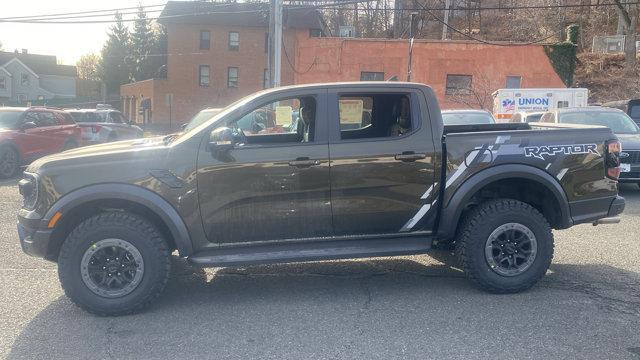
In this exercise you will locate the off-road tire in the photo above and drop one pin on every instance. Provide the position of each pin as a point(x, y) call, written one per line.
point(476, 228)
point(136, 230)
point(12, 169)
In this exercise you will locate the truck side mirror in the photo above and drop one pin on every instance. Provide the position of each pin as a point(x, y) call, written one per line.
point(221, 140)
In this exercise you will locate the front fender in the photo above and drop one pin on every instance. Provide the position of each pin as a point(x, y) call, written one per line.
point(133, 193)
point(451, 212)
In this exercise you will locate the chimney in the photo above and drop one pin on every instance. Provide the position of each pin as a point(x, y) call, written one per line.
point(24, 51)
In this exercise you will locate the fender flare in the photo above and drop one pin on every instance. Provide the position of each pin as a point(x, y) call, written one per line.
point(137, 194)
point(452, 211)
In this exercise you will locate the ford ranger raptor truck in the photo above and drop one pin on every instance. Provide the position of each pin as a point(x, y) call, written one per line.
point(342, 170)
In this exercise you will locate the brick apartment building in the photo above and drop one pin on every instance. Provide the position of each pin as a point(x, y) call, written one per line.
point(214, 58)
point(220, 55)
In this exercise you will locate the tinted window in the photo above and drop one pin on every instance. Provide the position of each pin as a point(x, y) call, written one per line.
point(282, 121)
point(619, 123)
point(46, 119)
point(634, 112)
point(67, 119)
point(466, 118)
point(374, 116)
point(88, 117)
point(9, 119)
point(115, 118)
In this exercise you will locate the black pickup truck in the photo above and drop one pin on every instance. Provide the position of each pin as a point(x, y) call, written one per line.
point(343, 170)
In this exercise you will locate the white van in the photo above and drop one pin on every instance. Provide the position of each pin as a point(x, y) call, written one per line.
point(506, 102)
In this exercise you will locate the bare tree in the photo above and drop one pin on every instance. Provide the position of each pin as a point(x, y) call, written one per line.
point(479, 95)
point(630, 14)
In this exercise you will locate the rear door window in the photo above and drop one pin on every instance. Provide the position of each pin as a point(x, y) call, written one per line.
point(366, 116)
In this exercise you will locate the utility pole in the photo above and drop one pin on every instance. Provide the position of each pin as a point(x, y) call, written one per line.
point(445, 26)
point(277, 42)
point(412, 28)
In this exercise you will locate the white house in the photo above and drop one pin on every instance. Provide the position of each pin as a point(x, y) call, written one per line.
point(28, 77)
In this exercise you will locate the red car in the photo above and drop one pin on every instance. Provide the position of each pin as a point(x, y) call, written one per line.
point(29, 133)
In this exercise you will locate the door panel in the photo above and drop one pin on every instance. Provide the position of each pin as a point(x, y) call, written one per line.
point(263, 192)
point(382, 185)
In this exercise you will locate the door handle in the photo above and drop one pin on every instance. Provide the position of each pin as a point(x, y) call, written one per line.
point(304, 162)
point(410, 156)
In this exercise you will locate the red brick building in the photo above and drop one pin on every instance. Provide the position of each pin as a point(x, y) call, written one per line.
point(213, 59)
point(221, 55)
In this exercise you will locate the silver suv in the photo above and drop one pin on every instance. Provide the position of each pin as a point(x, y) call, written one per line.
point(99, 126)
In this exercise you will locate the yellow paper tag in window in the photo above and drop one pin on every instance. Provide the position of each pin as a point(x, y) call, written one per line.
point(351, 111)
point(283, 115)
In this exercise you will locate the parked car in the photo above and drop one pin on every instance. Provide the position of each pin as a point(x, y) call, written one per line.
point(29, 133)
point(631, 107)
point(467, 117)
point(620, 123)
point(99, 126)
point(111, 215)
point(526, 117)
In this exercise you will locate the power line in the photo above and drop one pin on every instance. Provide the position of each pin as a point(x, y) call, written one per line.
point(484, 41)
point(336, 6)
point(82, 12)
point(79, 16)
point(53, 21)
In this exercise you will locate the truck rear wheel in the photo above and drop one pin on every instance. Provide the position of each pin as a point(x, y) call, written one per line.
point(114, 263)
point(505, 246)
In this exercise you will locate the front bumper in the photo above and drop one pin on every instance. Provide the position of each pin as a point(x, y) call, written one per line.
point(33, 238)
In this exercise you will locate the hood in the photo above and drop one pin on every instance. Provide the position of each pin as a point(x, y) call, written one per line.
point(125, 151)
point(629, 141)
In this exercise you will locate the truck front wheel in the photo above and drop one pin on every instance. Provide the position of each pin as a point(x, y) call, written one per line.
point(114, 263)
point(506, 246)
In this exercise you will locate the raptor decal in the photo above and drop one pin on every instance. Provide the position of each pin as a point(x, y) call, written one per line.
point(553, 150)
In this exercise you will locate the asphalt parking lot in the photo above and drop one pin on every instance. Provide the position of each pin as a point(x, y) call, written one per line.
point(588, 306)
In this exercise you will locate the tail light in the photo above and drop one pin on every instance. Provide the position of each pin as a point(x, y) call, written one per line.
point(612, 158)
point(95, 128)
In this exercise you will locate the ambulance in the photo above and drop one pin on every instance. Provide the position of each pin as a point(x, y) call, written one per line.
point(507, 102)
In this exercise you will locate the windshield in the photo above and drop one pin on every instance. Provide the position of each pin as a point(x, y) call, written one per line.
point(9, 119)
point(200, 118)
point(466, 118)
point(533, 117)
point(619, 123)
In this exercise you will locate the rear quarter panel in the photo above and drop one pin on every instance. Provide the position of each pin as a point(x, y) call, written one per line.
point(581, 175)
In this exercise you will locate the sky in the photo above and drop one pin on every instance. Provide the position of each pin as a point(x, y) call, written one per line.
point(66, 41)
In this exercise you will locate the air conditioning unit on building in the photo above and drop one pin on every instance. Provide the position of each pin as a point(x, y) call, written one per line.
point(347, 31)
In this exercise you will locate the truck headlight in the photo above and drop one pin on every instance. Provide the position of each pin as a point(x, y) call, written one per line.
point(28, 187)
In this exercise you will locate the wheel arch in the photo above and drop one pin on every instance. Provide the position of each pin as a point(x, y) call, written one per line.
point(543, 192)
point(87, 201)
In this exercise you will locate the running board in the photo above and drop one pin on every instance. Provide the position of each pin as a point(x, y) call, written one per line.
point(311, 251)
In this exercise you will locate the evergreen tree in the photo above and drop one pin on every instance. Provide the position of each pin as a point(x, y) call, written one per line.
point(142, 46)
point(114, 69)
point(159, 52)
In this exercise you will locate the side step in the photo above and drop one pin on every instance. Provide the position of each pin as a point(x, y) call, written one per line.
point(310, 251)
